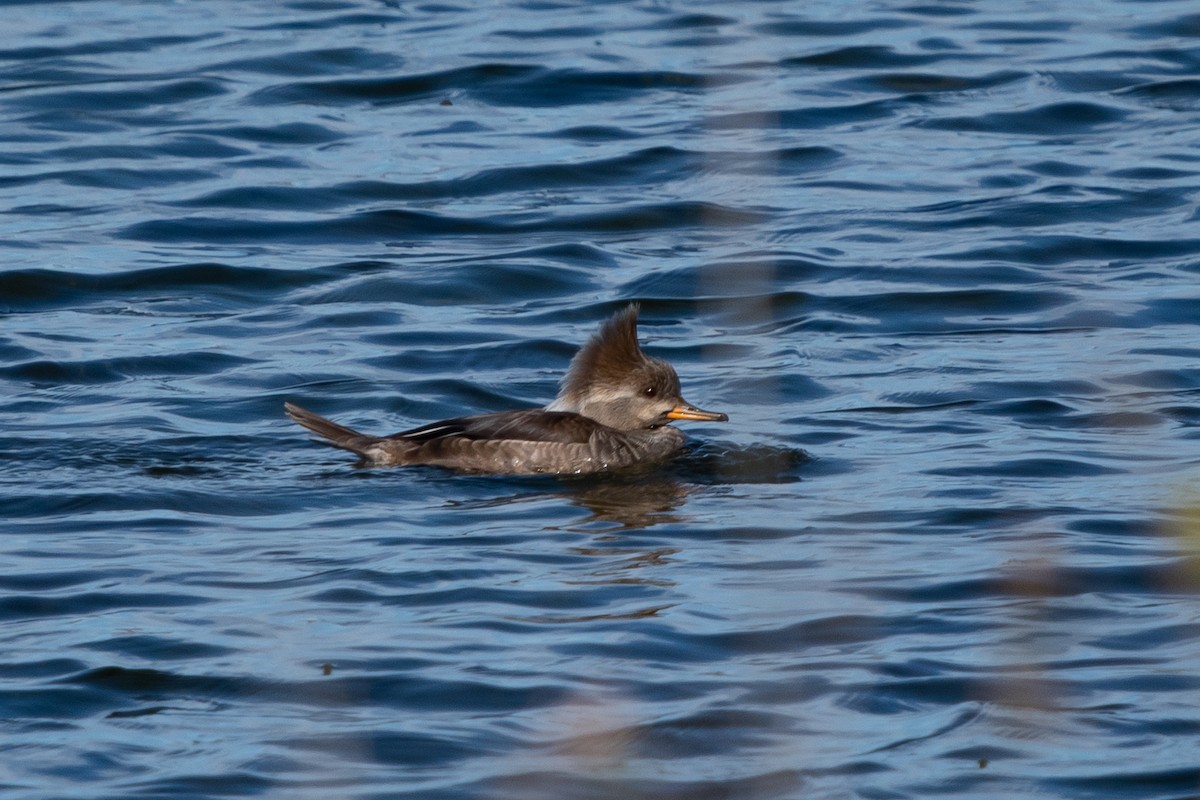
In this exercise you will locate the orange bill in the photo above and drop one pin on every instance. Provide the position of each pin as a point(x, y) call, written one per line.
point(689, 411)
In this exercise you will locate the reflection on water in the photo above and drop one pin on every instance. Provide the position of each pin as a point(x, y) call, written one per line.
point(629, 501)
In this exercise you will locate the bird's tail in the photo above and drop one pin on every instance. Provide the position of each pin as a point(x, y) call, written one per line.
point(333, 434)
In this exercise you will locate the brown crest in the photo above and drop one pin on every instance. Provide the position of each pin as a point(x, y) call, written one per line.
point(608, 356)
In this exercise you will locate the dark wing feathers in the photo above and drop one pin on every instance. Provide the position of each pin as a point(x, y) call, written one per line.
point(534, 425)
point(435, 430)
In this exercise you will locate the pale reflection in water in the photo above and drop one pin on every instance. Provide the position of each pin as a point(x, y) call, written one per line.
point(628, 503)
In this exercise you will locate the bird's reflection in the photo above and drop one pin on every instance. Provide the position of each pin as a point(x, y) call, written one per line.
point(629, 502)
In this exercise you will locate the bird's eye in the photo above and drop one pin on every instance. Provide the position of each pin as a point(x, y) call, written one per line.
point(649, 391)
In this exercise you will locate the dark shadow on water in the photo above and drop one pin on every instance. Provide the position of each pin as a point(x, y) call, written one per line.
point(724, 463)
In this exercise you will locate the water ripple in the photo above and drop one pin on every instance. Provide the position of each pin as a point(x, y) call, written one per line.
point(936, 261)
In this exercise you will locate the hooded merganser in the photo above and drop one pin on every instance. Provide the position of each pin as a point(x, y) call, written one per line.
point(612, 411)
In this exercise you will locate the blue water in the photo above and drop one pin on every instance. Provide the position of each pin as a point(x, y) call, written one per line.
point(939, 262)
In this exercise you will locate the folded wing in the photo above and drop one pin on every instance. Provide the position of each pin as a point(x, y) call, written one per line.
point(533, 425)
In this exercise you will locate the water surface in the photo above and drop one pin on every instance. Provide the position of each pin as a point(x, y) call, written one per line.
point(938, 262)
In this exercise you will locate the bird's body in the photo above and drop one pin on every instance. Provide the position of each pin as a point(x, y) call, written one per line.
point(528, 442)
point(612, 412)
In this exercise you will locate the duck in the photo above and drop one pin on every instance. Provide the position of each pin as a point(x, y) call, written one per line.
point(613, 411)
